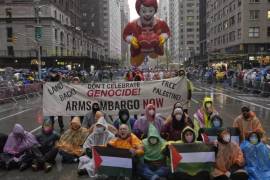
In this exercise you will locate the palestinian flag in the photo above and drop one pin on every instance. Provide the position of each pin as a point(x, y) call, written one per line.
point(192, 158)
point(112, 161)
point(211, 134)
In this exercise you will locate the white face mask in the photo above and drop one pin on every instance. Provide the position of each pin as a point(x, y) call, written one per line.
point(100, 130)
point(147, 13)
point(227, 138)
point(152, 112)
point(178, 117)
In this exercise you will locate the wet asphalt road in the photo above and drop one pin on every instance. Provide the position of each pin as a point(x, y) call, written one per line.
point(227, 101)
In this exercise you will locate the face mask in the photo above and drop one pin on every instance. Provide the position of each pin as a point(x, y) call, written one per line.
point(95, 108)
point(226, 138)
point(152, 112)
point(217, 123)
point(47, 130)
point(153, 141)
point(189, 139)
point(254, 140)
point(100, 130)
point(178, 117)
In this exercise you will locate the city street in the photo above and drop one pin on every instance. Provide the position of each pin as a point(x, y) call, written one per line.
point(227, 101)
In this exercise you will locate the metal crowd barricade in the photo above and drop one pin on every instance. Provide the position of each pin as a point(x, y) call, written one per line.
point(21, 91)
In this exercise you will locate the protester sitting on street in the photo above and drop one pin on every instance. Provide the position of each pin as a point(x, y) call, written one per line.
point(154, 163)
point(202, 116)
point(89, 118)
point(98, 116)
point(257, 158)
point(3, 139)
point(125, 139)
point(172, 129)
point(176, 105)
point(124, 118)
point(248, 122)
point(17, 147)
point(141, 125)
point(70, 143)
point(229, 159)
point(46, 153)
point(189, 173)
point(100, 137)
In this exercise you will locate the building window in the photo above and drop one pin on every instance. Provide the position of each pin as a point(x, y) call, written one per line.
point(254, 1)
point(9, 34)
point(254, 14)
point(10, 51)
point(254, 32)
point(268, 14)
point(56, 34)
point(268, 31)
point(9, 15)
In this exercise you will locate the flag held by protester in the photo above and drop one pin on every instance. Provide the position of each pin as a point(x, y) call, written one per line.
point(192, 158)
point(112, 161)
point(211, 134)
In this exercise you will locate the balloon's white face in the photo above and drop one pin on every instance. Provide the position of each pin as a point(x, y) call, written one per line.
point(147, 13)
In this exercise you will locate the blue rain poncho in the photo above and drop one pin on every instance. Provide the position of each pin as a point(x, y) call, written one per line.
point(257, 160)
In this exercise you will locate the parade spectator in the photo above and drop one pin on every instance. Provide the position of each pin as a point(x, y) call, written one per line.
point(202, 116)
point(127, 140)
point(257, 158)
point(141, 125)
point(229, 159)
point(89, 118)
point(46, 153)
point(154, 162)
point(17, 147)
point(172, 129)
point(189, 173)
point(70, 143)
point(100, 137)
point(248, 122)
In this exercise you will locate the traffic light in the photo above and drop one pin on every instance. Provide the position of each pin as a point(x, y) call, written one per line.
point(38, 33)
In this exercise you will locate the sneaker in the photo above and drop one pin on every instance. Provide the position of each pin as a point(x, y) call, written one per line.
point(47, 167)
point(82, 172)
point(35, 167)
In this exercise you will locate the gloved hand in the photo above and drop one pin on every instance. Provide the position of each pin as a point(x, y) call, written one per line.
point(161, 40)
point(134, 42)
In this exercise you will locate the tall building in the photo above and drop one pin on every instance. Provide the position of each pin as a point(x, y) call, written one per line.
point(102, 20)
point(183, 20)
point(62, 42)
point(203, 34)
point(238, 29)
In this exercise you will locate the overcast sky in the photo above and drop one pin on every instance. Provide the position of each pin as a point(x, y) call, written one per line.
point(133, 12)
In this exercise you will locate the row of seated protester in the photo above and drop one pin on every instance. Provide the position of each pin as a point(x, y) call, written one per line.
point(173, 148)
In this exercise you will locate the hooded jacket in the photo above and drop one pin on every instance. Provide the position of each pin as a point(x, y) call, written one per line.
point(141, 126)
point(253, 125)
point(99, 139)
point(153, 153)
point(201, 118)
point(130, 121)
point(47, 141)
point(257, 160)
point(72, 140)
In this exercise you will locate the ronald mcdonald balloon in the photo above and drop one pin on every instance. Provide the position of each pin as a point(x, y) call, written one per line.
point(147, 34)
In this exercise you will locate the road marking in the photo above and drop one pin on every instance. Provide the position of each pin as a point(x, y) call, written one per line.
point(195, 101)
point(34, 130)
point(16, 114)
point(239, 99)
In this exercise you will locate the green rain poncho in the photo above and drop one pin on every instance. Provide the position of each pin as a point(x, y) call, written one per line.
point(153, 152)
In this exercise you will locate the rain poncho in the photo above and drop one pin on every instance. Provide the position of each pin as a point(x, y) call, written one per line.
point(19, 140)
point(257, 160)
point(95, 139)
point(253, 124)
point(141, 126)
point(72, 140)
point(130, 121)
point(153, 152)
point(228, 155)
point(201, 118)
